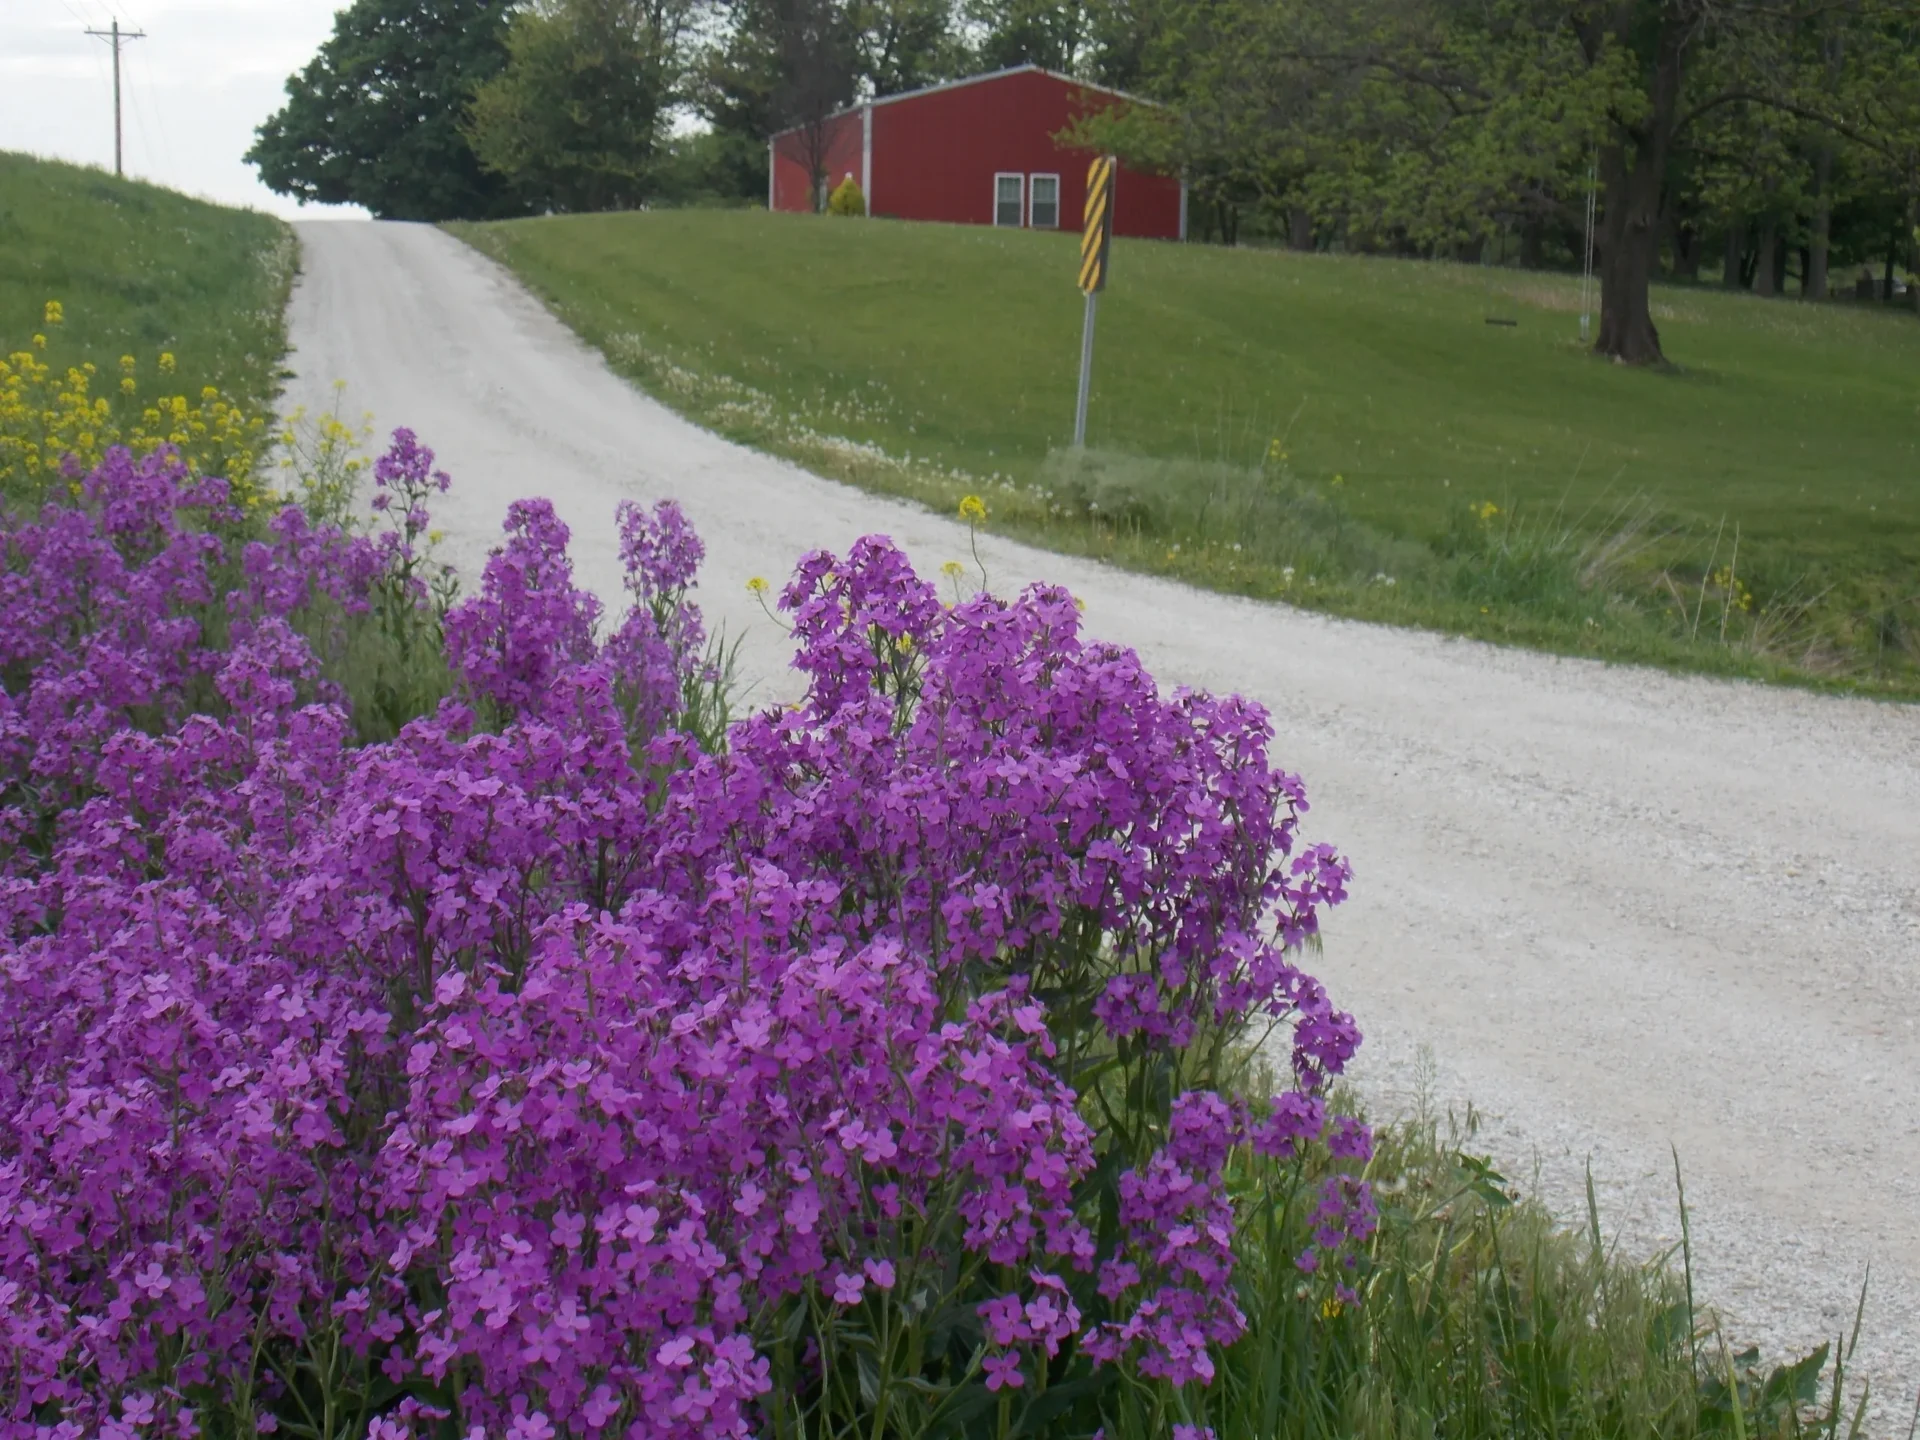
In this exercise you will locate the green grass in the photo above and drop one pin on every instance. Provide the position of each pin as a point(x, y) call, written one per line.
point(932, 360)
point(1483, 1315)
point(140, 270)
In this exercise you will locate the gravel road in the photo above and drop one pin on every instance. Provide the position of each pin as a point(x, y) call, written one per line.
point(1617, 910)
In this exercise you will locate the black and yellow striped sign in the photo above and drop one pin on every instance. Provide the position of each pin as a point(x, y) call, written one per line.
point(1096, 238)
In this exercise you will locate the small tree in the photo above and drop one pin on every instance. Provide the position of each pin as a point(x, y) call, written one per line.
point(574, 121)
point(784, 67)
point(847, 198)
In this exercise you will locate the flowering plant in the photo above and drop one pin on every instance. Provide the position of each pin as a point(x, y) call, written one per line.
point(560, 1064)
point(56, 415)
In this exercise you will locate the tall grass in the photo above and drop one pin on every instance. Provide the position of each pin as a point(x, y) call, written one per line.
point(141, 269)
point(1480, 1314)
point(1620, 579)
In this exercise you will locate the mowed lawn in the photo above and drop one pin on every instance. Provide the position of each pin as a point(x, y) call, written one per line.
point(958, 345)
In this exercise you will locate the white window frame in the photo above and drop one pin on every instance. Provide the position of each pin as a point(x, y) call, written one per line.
point(1055, 178)
point(1019, 178)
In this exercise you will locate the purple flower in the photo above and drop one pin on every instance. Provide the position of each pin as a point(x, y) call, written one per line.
point(1003, 1372)
point(612, 1045)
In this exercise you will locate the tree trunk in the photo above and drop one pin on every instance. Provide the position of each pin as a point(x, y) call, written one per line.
point(1763, 271)
point(1815, 287)
point(1532, 246)
point(1913, 261)
point(1299, 228)
point(1686, 251)
point(1736, 252)
point(1629, 250)
point(1633, 163)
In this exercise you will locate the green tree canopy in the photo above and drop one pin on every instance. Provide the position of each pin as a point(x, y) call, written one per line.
point(774, 65)
point(576, 118)
point(376, 117)
point(1431, 126)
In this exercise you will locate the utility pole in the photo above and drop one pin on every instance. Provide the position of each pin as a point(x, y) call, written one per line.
point(118, 38)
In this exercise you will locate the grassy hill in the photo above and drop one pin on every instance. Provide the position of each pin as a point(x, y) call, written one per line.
point(140, 270)
point(1509, 483)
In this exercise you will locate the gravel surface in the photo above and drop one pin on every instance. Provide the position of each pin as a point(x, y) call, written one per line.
point(1617, 910)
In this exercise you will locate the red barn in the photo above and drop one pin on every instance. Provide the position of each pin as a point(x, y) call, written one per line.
point(973, 152)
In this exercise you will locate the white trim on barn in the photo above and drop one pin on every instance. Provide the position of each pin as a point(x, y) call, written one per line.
point(1183, 209)
point(981, 80)
point(866, 155)
point(772, 170)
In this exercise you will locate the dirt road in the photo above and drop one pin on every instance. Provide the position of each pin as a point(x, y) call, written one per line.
point(1618, 910)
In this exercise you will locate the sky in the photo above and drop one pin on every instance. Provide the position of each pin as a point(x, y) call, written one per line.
point(208, 72)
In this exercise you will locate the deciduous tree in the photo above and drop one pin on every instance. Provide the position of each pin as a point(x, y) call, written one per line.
point(375, 118)
point(575, 119)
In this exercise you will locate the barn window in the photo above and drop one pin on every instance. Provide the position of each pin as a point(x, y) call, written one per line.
point(1008, 197)
point(1043, 202)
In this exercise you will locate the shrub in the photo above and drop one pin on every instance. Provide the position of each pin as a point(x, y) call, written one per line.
point(847, 198)
point(540, 1068)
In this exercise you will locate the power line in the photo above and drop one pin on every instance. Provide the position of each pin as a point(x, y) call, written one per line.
point(119, 39)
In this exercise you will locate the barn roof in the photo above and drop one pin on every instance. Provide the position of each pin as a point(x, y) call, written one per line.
point(880, 100)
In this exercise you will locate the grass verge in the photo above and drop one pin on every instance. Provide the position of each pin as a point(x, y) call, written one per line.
point(1750, 514)
point(1480, 1314)
point(140, 270)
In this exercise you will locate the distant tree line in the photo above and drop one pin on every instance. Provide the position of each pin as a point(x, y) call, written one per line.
point(1777, 141)
point(446, 109)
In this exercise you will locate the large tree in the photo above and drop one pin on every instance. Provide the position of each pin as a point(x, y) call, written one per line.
point(1056, 34)
point(375, 119)
point(777, 65)
point(576, 118)
point(904, 44)
point(1429, 124)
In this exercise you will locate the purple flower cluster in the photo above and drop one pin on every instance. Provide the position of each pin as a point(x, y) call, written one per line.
point(556, 1068)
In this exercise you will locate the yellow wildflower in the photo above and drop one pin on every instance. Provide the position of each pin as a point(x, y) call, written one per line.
point(167, 362)
point(757, 587)
point(973, 510)
point(55, 313)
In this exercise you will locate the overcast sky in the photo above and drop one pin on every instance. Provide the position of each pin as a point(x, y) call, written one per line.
point(207, 73)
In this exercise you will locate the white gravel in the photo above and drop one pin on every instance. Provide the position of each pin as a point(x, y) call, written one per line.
point(1619, 910)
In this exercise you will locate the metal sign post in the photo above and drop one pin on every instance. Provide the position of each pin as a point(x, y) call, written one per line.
point(1096, 239)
